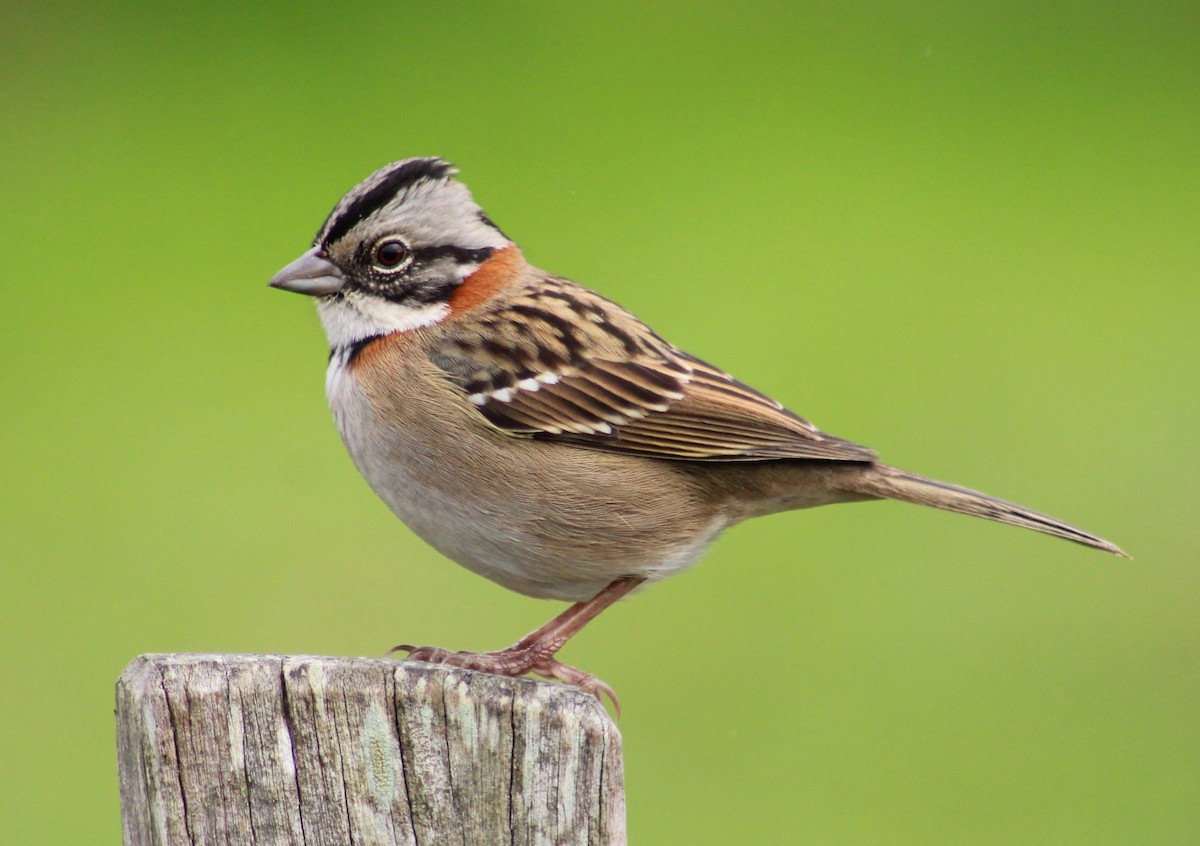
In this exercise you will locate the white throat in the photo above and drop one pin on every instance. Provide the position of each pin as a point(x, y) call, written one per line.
point(355, 317)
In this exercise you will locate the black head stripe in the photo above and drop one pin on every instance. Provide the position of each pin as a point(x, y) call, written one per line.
point(402, 176)
point(483, 218)
point(460, 255)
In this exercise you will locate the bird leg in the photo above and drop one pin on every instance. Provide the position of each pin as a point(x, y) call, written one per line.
point(535, 652)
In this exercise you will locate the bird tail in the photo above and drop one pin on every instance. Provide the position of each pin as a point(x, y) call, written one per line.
point(890, 483)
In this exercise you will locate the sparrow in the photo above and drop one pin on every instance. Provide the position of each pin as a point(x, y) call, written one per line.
point(542, 436)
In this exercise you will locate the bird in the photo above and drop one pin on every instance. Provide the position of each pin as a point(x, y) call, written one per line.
point(542, 436)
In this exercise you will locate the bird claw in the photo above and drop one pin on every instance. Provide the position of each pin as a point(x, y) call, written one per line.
point(588, 683)
point(515, 662)
point(428, 654)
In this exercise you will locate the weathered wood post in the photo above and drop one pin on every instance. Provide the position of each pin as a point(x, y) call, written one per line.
point(260, 749)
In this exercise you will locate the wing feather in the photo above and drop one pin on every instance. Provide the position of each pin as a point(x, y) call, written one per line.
point(561, 363)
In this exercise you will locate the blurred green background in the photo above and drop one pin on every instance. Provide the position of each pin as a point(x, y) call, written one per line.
point(967, 235)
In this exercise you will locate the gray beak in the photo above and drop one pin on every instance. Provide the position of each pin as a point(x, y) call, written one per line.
point(311, 274)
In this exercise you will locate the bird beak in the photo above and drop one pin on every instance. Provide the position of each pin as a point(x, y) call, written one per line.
point(311, 274)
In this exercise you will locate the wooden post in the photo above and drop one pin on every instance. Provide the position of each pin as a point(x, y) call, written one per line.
point(241, 749)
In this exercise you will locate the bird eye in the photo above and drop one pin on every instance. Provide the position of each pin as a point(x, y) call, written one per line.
point(390, 254)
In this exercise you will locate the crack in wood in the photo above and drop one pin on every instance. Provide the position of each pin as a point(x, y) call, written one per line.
point(333, 751)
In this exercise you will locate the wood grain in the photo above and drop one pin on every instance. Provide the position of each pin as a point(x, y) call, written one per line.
point(258, 749)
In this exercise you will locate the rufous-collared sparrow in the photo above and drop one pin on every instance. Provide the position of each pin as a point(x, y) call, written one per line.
point(541, 435)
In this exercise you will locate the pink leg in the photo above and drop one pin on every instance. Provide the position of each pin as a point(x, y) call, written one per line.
point(535, 652)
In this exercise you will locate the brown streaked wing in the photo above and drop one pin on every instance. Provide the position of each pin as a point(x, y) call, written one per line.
point(665, 410)
point(561, 363)
point(591, 400)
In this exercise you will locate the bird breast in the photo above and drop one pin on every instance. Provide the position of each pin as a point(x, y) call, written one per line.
point(544, 519)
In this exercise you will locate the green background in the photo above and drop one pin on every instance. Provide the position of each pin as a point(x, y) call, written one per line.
point(967, 235)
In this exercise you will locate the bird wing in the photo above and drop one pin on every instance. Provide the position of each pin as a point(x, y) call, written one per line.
point(563, 364)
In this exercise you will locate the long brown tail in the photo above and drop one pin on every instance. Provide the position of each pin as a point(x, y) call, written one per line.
point(890, 483)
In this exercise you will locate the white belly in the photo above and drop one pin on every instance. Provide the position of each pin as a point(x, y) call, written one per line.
point(523, 526)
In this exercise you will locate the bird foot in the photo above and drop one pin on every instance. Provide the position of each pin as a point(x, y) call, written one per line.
point(515, 661)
